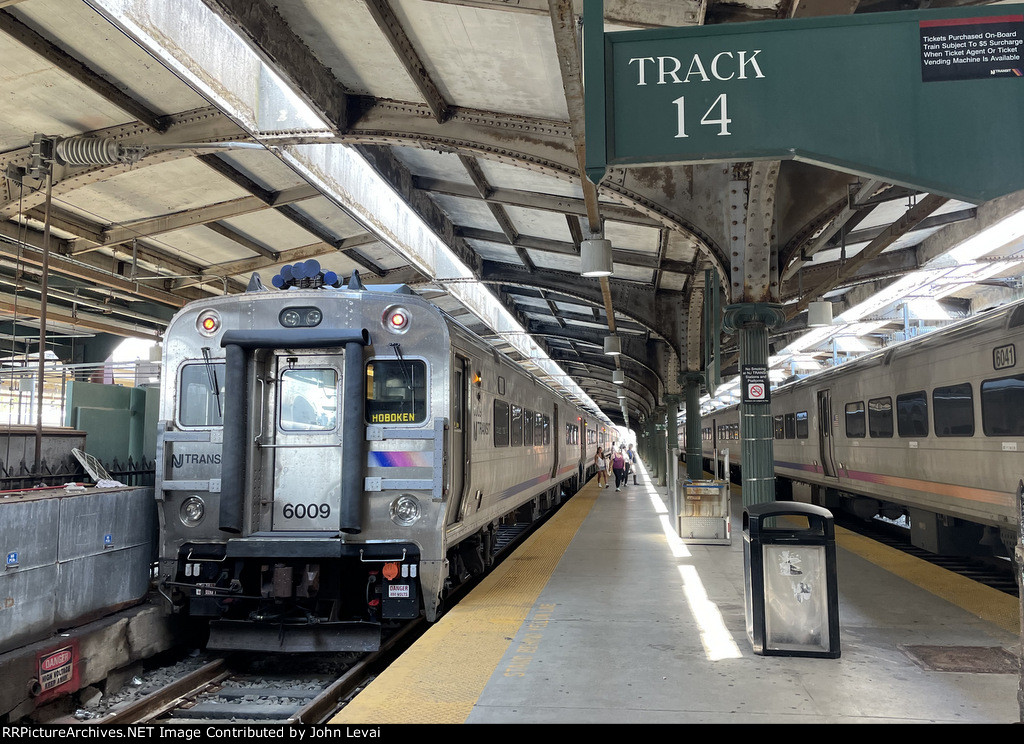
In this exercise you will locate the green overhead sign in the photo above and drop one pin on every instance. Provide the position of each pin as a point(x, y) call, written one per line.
point(933, 100)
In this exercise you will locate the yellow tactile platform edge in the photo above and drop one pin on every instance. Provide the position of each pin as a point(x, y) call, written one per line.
point(989, 604)
point(441, 677)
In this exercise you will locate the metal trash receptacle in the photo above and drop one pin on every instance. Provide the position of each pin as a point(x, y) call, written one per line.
point(790, 587)
point(705, 512)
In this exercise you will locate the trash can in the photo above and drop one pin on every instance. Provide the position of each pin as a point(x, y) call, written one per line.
point(704, 512)
point(789, 566)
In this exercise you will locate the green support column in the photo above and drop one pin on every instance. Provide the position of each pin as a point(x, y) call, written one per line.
point(694, 460)
point(752, 321)
point(671, 430)
point(651, 446)
point(659, 444)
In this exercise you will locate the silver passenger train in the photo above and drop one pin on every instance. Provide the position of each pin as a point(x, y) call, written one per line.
point(929, 431)
point(332, 459)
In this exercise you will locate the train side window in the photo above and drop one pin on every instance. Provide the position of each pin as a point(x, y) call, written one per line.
point(912, 414)
point(790, 426)
point(500, 423)
point(396, 391)
point(855, 424)
point(517, 427)
point(954, 410)
point(802, 430)
point(309, 400)
point(880, 417)
point(528, 428)
point(545, 423)
point(1002, 407)
point(197, 403)
point(780, 427)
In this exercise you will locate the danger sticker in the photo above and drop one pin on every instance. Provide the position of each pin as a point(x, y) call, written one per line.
point(398, 591)
point(56, 668)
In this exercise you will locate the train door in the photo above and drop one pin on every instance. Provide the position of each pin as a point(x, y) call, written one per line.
point(459, 441)
point(307, 442)
point(825, 432)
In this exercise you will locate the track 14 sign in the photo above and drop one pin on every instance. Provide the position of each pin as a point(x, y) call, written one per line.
point(871, 94)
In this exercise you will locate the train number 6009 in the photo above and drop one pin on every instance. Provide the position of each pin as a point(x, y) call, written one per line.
point(302, 511)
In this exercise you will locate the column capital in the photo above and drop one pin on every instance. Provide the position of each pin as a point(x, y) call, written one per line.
point(770, 314)
point(691, 378)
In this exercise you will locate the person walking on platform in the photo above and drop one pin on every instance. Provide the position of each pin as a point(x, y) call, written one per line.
point(619, 467)
point(602, 468)
point(631, 463)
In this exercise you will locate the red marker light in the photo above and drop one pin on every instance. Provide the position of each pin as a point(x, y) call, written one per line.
point(208, 322)
point(397, 320)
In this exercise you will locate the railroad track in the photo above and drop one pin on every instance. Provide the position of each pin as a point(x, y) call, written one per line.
point(992, 572)
point(229, 690)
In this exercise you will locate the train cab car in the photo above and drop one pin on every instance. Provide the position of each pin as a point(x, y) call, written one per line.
point(333, 459)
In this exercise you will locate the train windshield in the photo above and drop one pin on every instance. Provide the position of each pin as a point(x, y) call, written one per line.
point(199, 403)
point(396, 391)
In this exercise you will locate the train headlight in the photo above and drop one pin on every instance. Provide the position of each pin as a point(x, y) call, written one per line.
point(405, 510)
point(192, 511)
point(300, 317)
point(208, 322)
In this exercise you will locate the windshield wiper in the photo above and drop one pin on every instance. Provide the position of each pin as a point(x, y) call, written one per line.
point(211, 373)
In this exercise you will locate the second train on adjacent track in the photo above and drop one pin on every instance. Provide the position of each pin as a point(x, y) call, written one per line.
point(928, 432)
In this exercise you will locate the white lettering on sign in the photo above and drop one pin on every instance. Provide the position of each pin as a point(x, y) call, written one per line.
point(739, 65)
point(667, 70)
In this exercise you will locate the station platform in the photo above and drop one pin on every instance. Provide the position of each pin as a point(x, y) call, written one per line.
point(605, 616)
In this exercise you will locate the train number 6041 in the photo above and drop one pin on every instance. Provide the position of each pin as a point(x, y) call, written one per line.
point(303, 511)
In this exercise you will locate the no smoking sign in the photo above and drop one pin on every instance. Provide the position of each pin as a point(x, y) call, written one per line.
point(755, 384)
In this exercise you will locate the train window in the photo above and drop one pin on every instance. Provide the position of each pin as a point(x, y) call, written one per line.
point(198, 403)
point(780, 427)
point(396, 391)
point(790, 426)
point(309, 400)
point(539, 428)
point(1002, 407)
point(912, 414)
point(528, 428)
point(954, 410)
point(572, 434)
point(880, 417)
point(547, 430)
point(855, 423)
point(516, 436)
point(801, 425)
point(500, 423)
